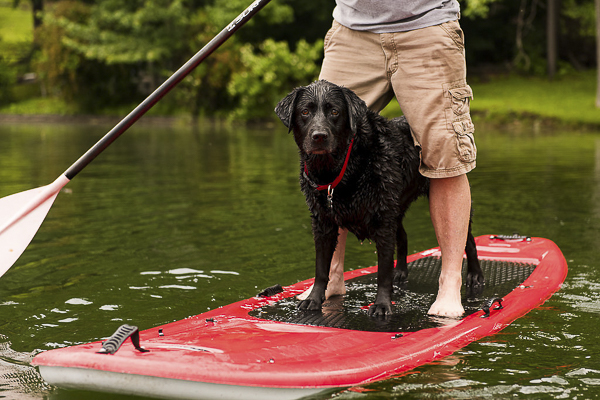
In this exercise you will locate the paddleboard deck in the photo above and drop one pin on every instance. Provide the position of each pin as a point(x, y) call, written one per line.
point(265, 348)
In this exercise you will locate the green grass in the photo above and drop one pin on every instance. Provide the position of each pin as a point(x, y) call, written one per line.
point(568, 99)
point(39, 106)
point(16, 24)
point(16, 30)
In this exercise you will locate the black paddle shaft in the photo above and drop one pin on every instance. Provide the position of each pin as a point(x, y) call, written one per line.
point(163, 89)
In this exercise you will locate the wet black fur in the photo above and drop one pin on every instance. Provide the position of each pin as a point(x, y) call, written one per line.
point(380, 183)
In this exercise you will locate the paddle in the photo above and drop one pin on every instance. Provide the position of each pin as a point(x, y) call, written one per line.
point(22, 214)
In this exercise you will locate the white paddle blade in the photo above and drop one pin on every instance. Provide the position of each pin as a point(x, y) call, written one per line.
point(21, 215)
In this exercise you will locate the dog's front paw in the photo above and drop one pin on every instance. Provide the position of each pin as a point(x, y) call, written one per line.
point(400, 276)
point(311, 304)
point(383, 309)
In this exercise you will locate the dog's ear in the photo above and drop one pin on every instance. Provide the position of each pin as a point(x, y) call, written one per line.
point(356, 108)
point(285, 108)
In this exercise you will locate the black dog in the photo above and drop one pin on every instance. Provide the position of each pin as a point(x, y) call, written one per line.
point(359, 171)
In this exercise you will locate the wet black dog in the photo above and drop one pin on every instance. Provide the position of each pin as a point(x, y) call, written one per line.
point(359, 171)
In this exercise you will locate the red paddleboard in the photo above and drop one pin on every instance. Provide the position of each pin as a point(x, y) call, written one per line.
point(264, 348)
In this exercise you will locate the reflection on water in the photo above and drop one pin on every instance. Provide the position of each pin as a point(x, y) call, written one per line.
point(170, 222)
point(17, 378)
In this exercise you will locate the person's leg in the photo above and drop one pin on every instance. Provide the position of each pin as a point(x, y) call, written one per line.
point(336, 284)
point(449, 205)
point(430, 84)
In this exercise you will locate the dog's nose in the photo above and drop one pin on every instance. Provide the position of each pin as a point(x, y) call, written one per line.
point(319, 137)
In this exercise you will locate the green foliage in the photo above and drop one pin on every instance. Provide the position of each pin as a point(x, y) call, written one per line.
point(99, 55)
point(511, 35)
point(205, 91)
point(127, 32)
point(7, 79)
point(57, 65)
point(271, 71)
point(476, 8)
point(583, 13)
point(103, 56)
point(114, 52)
point(222, 12)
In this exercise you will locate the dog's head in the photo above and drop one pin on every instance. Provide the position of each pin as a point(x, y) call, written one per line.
point(323, 116)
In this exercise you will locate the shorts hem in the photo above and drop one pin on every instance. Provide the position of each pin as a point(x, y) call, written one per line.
point(448, 173)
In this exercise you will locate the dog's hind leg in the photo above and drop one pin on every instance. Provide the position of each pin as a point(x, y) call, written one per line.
point(385, 277)
point(475, 276)
point(401, 270)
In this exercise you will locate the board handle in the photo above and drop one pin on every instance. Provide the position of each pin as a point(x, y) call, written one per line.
point(516, 237)
point(113, 343)
point(488, 305)
point(271, 291)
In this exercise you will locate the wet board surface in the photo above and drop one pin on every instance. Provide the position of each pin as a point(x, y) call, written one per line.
point(266, 348)
point(411, 300)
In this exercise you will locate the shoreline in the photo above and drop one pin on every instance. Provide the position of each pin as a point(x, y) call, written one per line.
point(84, 119)
point(484, 117)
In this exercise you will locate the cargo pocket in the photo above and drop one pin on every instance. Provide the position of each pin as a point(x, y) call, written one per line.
point(458, 119)
point(461, 98)
point(464, 128)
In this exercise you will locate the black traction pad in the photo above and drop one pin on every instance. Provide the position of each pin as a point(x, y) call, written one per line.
point(411, 301)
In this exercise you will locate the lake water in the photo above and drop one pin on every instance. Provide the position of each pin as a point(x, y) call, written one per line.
point(172, 221)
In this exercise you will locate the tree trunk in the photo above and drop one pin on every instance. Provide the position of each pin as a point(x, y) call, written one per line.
point(37, 7)
point(551, 37)
point(597, 53)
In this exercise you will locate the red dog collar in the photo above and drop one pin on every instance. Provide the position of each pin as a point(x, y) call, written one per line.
point(339, 178)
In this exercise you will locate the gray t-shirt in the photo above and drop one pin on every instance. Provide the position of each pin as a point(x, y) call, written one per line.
point(381, 16)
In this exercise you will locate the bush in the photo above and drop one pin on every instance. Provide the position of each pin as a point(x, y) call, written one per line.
point(269, 73)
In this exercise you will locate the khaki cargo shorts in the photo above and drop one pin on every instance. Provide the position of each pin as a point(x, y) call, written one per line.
point(425, 69)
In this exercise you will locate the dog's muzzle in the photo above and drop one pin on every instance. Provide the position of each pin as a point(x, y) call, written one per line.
point(319, 137)
point(319, 142)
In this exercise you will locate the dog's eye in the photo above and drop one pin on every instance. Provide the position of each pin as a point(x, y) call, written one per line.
point(334, 112)
point(305, 111)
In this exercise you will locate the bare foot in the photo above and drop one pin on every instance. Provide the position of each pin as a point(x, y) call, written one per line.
point(304, 295)
point(335, 287)
point(448, 303)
